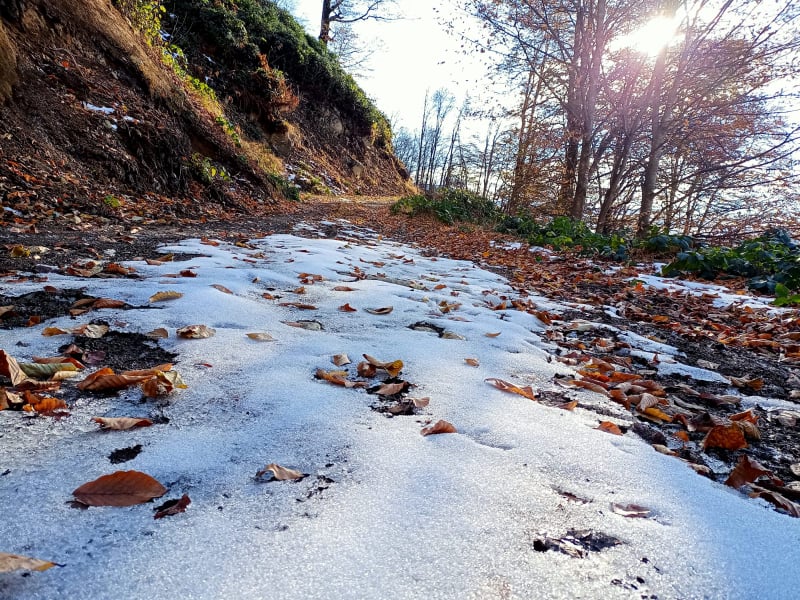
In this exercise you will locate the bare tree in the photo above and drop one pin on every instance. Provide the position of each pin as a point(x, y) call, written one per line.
point(351, 11)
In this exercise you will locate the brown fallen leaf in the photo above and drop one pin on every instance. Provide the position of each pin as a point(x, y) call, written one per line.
point(419, 402)
point(261, 337)
point(221, 288)
point(337, 378)
point(280, 473)
point(51, 331)
point(779, 500)
point(105, 380)
point(196, 332)
point(505, 386)
point(366, 369)
point(9, 367)
point(158, 333)
point(393, 367)
point(347, 308)
point(389, 389)
point(385, 310)
point(165, 295)
point(91, 330)
point(747, 471)
point(172, 507)
point(492, 335)
point(609, 427)
point(122, 488)
point(726, 437)
point(121, 423)
point(743, 383)
point(568, 405)
point(59, 359)
point(299, 305)
point(308, 325)
point(343, 288)
point(162, 384)
point(15, 562)
point(340, 360)
point(108, 303)
point(472, 362)
point(631, 510)
point(439, 427)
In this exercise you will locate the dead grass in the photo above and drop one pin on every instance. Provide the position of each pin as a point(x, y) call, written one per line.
point(8, 65)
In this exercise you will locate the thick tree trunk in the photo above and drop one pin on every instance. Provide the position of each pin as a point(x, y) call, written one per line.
point(325, 22)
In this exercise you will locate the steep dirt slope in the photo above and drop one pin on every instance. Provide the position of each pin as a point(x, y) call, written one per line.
point(95, 120)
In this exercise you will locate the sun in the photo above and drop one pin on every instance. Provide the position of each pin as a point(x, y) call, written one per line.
point(652, 37)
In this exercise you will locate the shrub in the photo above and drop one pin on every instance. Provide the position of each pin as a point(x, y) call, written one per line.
point(450, 206)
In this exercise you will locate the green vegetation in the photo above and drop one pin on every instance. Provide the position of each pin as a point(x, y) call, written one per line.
point(145, 15)
point(449, 206)
point(771, 262)
point(264, 49)
point(207, 171)
point(287, 188)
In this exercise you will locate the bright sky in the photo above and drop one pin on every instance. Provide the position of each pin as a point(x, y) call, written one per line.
point(416, 54)
point(384, 511)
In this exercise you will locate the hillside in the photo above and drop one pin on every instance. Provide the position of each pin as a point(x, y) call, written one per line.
point(129, 108)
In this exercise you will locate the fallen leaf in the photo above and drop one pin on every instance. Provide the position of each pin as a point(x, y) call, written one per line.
point(187, 273)
point(344, 288)
point(682, 435)
point(505, 386)
point(15, 562)
point(631, 510)
point(299, 305)
point(744, 383)
point(419, 402)
point(309, 325)
point(91, 330)
point(280, 473)
point(492, 335)
point(108, 303)
point(166, 295)
point(393, 367)
point(122, 488)
point(221, 288)
point(105, 380)
point(45, 370)
point(51, 331)
point(159, 333)
point(439, 427)
point(261, 337)
point(389, 389)
point(472, 362)
point(380, 311)
point(727, 437)
point(196, 332)
point(337, 378)
point(347, 308)
point(779, 500)
point(340, 360)
point(609, 427)
point(747, 471)
point(162, 384)
point(121, 423)
point(11, 369)
point(172, 507)
point(366, 369)
point(568, 405)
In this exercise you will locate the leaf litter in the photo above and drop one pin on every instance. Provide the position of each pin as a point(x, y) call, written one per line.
point(462, 399)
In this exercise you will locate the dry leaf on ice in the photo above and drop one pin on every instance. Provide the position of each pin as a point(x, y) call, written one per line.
point(196, 332)
point(121, 423)
point(280, 473)
point(727, 437)
point(343, 288)
point(172, 507)
point(159, 333)
point(393, 367)
point(340, 360)
point(472, 362)
point(166, 295)
point(162, 384)
point(309, 325)
point(492, 335)
point(221, 288)
point(385, 310)
point(505, 386)
point(11, 369)
point(261, 337)
point(439, 427)
point(105, 380)
point(347, 308)
point(15, 562)
point(609, 427)
point(631, 510)
point(123, 488)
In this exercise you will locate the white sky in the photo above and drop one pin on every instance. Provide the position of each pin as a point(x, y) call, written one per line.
point(416, 54)
point(384, 512)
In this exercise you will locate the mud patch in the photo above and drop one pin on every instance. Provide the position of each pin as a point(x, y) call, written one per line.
point(577, 544)
point(37, 307)
point(121, 455)
point(124, 351)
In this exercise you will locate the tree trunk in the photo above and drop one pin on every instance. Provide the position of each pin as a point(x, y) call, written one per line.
point(325, 22)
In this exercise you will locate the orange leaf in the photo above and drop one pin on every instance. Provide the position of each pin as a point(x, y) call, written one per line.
point(609, 427)
point(347, 308)
point(51, 331)
point(590, 385)
point(439, 427)
point(683, 436)
point(15, 562)
point(123, 488)
point(121, 423)
point(568, 405)
point(656, 414)
point(166, 295)
point(505, 386)
point(105, 380)
point(393, 368)
point(492, 335)
point(343, 288)
point(196, 332)
point(108, 303)
point(727, 437)
point(299, 305)
point(745, 416)
point(472, 362)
